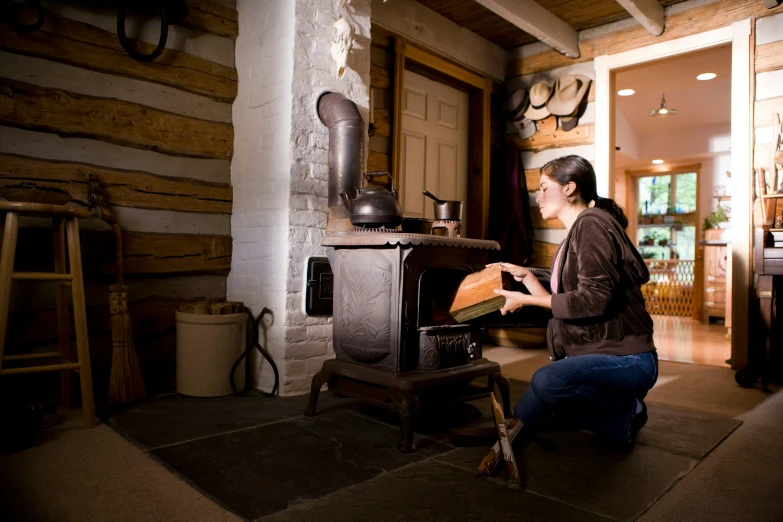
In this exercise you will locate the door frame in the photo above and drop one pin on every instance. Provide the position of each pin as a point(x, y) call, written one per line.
point(632, 204)
point(739, 35)
point(479, 89)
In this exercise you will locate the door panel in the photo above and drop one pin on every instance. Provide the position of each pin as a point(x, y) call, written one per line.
point(447, 165)
point(434, 151)
point(415, 104)
point(414, 155)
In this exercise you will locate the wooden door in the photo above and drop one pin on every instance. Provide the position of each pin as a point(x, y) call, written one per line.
point(434, 146)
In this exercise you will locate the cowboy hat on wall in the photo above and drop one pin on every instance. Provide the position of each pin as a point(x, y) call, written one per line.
point(570, 92)
point(517, 104)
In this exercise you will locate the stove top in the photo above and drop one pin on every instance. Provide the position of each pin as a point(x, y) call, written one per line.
point(387, 237)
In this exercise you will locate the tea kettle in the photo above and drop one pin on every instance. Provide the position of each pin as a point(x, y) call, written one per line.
point(374, 207)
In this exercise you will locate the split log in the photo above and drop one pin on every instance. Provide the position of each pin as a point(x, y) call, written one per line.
point(151, 317)
point(544, 254)
point(379, 77)
point(582, 135)
point(120, 187)
point(120, 122)
point(513, 480)
point(212, 17)
point(89, 47)
point(495, 456)
point(476, 294)
point(381, 122)
point(377, 161)
point(144, 253)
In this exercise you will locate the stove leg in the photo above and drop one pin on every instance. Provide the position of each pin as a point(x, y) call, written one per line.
point(319, 379)
point(505, 391)
point(407, 408)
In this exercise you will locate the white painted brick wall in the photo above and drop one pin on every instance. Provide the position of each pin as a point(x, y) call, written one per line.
point(280, 172)
point(260, 168)
point(314, 73)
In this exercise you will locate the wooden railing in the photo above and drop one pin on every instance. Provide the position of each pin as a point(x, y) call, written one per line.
point(670, 290)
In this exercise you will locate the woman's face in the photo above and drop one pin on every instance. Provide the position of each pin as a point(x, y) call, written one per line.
point(551, 198)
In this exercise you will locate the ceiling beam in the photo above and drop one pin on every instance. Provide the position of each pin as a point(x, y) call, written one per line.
point(649, 13)
point(535, 20)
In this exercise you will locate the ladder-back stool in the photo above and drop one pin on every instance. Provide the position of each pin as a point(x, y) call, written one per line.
point(66, 231)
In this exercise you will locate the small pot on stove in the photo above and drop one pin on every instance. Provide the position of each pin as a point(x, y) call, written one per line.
point(445, 210)
point(374, 207)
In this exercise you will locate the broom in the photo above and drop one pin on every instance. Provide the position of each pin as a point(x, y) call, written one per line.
point(125, 382)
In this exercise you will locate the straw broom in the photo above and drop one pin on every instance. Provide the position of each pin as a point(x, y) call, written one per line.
point(125, 382)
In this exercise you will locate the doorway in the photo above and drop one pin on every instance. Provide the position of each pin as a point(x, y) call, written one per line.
point(738, 36)
point(434, 146)
point(672, 155)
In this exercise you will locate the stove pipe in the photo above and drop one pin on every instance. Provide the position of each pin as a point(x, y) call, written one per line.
point(346, 140)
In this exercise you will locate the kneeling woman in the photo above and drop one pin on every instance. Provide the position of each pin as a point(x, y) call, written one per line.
point(600, 337)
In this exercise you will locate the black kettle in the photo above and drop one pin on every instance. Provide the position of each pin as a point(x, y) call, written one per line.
point(374, 207)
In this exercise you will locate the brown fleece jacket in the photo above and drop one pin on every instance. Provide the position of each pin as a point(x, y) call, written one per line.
point(599, 307)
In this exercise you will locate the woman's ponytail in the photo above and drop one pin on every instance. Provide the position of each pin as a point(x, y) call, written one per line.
point(609, 206)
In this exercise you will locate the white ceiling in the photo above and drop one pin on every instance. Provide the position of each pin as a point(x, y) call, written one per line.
point(699, 103)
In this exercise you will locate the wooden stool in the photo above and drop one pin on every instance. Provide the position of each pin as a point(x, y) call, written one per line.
point(66, 226)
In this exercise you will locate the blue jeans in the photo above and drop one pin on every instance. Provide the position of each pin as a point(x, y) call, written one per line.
point(594, 392)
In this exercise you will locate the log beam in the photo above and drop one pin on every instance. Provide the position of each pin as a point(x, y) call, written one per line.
point(686, 23)
point(536, 20)
point(649, 13)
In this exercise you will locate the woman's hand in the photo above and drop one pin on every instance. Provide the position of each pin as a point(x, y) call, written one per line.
point(514, 300)
point(524, 276)
point(519, 272)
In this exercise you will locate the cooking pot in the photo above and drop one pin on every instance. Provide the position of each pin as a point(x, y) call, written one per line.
point(417, 225)
point(374, 206)
point(446, 210)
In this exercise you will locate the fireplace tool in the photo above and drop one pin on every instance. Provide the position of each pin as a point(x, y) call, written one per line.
point(254, 342)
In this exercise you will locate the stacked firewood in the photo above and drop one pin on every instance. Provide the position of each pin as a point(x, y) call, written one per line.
point(212, 307)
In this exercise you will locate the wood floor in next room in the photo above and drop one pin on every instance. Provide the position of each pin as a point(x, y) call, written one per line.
point(680, 339)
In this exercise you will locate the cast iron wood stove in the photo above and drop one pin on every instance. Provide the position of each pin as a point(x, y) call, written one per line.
point(395, 344)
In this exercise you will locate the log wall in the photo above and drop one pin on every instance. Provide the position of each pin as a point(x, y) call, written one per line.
point(158, 137)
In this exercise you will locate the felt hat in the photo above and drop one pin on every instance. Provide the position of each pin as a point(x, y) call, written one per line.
point(569, 90)
point(517, 104)
point(567, 123)
point(525, 127)
point(548, 125)
point(539, 96)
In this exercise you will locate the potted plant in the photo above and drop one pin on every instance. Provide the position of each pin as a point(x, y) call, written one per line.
point(657, 220)
point(678, 225)
point(663, 242)
point(646, 220)
point(715, 218)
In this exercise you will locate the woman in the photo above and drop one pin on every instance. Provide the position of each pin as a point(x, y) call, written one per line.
point(600, 337)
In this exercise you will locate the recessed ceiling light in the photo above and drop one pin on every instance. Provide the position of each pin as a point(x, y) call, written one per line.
point(706, 76)
point(626, 92)
point(657, 161)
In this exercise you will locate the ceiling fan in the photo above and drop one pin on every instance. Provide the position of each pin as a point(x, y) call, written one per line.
point(663, 110)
